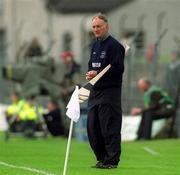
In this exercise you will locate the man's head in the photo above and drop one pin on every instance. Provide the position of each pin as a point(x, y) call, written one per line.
point(100, 25)
point(14, 96)
point(35, 41)
point(31, 99)
point(52, 105)
point(143, 84)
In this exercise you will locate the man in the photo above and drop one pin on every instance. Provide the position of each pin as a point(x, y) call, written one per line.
point(158, 104)
point(71, 77)
point(13, 111)
point(34, 48)
point(29, 116)
point(104, 105)
point(53, 119)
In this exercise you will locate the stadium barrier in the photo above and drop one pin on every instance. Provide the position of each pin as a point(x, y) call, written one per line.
point(3, 123)
point(129, 125)
point(81, 126)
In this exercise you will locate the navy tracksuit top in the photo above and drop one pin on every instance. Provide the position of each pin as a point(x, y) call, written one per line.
point(108, 51)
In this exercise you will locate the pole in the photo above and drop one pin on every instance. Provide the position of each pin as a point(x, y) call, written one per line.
point(156, 57)
point(68, 147)
point(14, 19)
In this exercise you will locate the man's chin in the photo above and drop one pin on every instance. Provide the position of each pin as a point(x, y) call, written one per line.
point(98, 36)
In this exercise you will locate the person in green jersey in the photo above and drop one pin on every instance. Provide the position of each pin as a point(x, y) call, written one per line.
point(157, 104)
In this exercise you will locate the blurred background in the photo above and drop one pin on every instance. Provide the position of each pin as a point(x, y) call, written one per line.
point(150, 27)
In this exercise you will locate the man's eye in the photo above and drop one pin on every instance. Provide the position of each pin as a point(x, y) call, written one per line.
point(96, 27)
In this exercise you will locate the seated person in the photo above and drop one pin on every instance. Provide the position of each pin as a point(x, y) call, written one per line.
point(158, 104)
point(29, 117)
point(12, 112)
point(54, 119)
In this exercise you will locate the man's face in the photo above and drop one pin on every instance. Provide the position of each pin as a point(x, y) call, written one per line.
point(14, 97)
point(99, 27)
point(142, 86)
point(67, 61)
point(51, 106)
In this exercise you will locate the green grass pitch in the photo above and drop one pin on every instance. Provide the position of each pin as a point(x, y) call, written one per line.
point(158, 157)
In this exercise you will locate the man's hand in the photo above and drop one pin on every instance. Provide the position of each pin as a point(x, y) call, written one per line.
point(91, 74)
point(136, 111)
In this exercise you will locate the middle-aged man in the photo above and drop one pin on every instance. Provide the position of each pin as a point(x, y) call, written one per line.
point(104, 105)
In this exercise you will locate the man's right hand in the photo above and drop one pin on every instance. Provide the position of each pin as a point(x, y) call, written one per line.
point(91, 74)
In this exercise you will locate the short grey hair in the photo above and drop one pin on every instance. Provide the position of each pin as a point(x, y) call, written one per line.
point(101, 16)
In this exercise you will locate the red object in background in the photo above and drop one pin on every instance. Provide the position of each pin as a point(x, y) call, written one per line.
point(150, 53)
point(66, 54)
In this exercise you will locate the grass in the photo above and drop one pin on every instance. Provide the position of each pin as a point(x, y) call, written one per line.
point(48, 155)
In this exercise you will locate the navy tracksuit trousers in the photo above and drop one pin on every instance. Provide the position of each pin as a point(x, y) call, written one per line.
point(104, 127)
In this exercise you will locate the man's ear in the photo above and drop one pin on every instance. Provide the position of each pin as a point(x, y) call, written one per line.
point(107, 26)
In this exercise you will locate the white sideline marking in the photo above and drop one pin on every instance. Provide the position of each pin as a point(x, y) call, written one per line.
point(151, 151)
point(25, 168)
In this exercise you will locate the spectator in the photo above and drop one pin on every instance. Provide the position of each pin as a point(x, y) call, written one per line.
point(34, 48)
point(71, 77)
point(30, 117)
point(12, 112)
point(158, 104)
point(54, 119)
